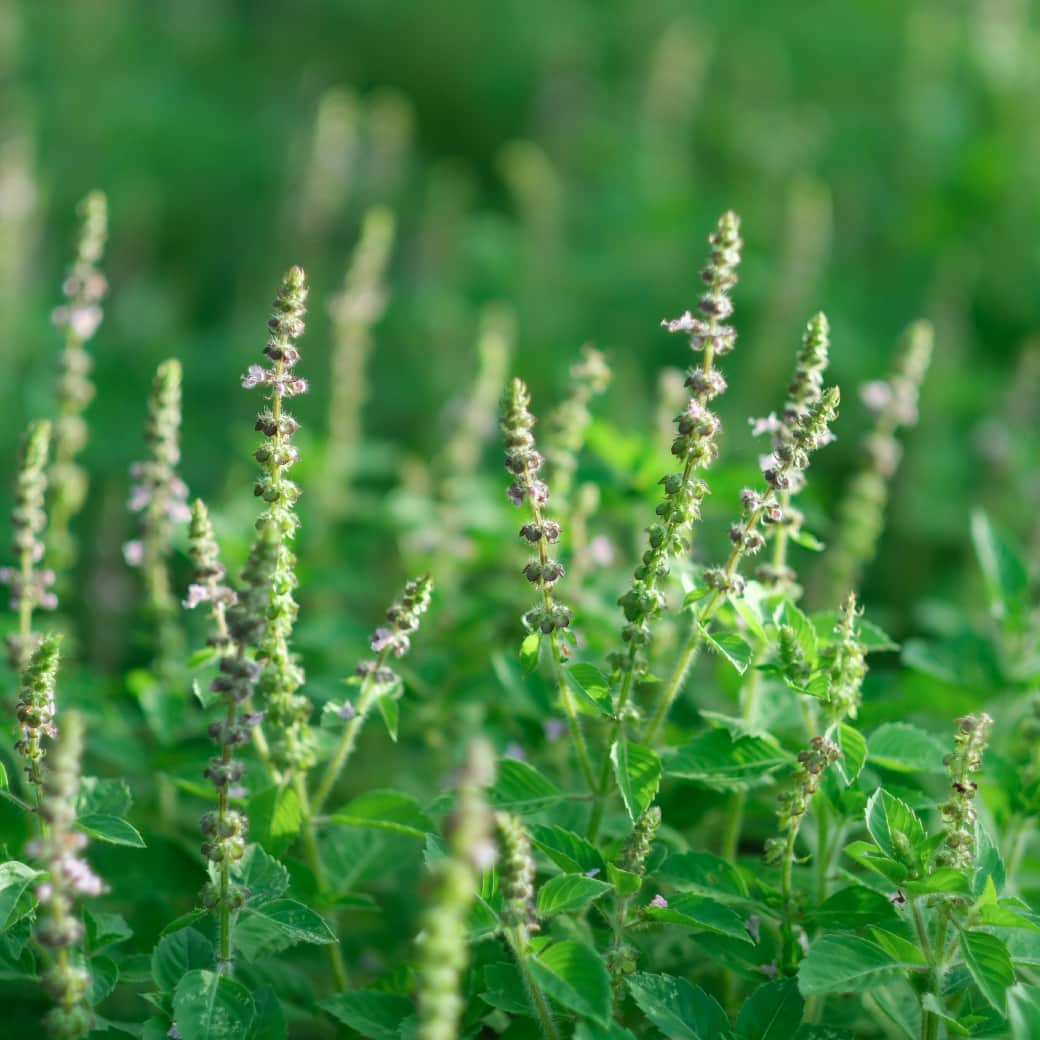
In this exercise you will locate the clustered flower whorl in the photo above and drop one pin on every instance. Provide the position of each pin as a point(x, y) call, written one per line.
point(590, 377)
point(158, 494)
point(403, 616)
point(80, 316)
point(523, 461)
point(794, 802)
point(848, 664)
point(639, 843)
point(804, 390)
point(443, 945)
point(268, 597)
point(68, 876)
point(696, 429)
point(30, 587)
point(958, 812)
point(809, 432)
point(516, 872)
point(208, 584)
point(36, 708)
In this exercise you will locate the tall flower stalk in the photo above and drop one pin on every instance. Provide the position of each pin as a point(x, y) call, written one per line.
point(158, 493)
point(548, 617)
point(761, 509)
point(84, 290)
point(59, 930)
point(590, 377)
point(794, 805)
point(354, 312)
point(516, 874)
point(694, 446)
point(377, 678)
point(287, 713)
point(862, 513)
point(443, 944)
point(29, 584)
point(804, 391)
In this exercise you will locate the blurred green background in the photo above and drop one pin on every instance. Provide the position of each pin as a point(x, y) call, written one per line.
point(567, 159)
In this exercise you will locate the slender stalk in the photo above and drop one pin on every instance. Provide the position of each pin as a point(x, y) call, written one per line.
point(348, 738)
point(312, 855)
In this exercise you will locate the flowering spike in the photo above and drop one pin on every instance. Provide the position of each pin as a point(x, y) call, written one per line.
point(267, 611)
point(36, 709)
point(444, 943)
point(848, 664)
point(516, 872)
point(862, 513)
point(207, 580)
point(158, 493)
point(694, 444)
point(958, 812)
point(590, 377)
point(30, 586)
point(84, 289)
point(59, 928)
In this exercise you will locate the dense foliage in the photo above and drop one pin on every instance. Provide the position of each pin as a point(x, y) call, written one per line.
point(323, 723)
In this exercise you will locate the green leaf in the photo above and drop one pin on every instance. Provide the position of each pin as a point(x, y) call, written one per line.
point(772, 1012)
point(854, 907)
point(104, 974)
point(887, 818)
point(390, 712)
point(705, 873)
point(897, 947)
point(942, 880)
point(586, 1030)
point(504, 989)
point(270, 1021)
point(804, 631)
point(591, 686)
point(717, 760)
point(521, 789)
point(1024, 1012)
point(261, 931)
point(731, 646)
point(274, 818)
point(110, 829)
point(177, 954)
point(906, 749)
point(529, 652)
point(874, 640)
point(569, 851)
point(104, 930)
point(262, 874)
point(702, 913)
point(385, 810)
point(678, 1009)
point(15, 878)
point(989, 962)
point(854, 752)
point(373, 1014)
point(575, 977)
point(110, 797)
point(812, 1032)
point(207, 1006)
point(1006, 575)
point(637, 770)
point(868, 855)
point(569, 894)
point(625, 882)
point(4, 782)
point(845, 964)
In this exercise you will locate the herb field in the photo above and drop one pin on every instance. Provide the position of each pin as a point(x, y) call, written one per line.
point(539, 542)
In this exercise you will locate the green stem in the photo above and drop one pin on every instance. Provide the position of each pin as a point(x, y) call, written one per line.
point(348, 738)
point(312, 856)
point(690, 651)
point(788, 960)
point(822, 852)
point(517, 940)
point(738, 800)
